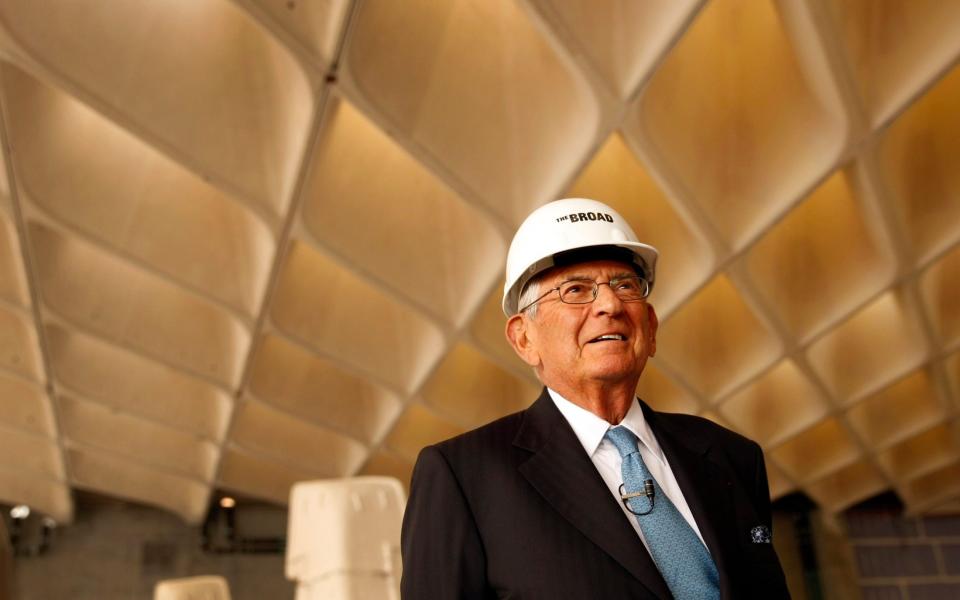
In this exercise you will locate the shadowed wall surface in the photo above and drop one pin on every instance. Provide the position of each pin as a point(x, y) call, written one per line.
point(905, 558)
point(116, 550)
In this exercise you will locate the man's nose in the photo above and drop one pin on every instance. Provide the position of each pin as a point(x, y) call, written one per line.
point(606, 302)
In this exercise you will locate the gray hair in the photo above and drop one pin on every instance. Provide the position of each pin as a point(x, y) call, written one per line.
point(531, 291)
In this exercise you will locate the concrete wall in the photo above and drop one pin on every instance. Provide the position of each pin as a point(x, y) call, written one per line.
point(835, 562)
point(901, 558)
point(118, 551)
point(871, 552)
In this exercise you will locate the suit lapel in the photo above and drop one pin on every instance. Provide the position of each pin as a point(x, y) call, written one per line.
point(563, 474)
point(706, 486)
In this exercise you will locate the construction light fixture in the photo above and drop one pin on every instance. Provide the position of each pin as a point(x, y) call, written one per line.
point(227, 502)
point(20, 511)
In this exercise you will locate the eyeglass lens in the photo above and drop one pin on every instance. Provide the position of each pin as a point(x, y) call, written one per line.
point(584, 291)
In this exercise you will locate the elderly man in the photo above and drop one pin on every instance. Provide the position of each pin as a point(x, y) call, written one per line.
point(589, 493)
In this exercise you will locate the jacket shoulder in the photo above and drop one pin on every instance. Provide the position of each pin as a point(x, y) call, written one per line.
point(707, 430)
point(495, 433)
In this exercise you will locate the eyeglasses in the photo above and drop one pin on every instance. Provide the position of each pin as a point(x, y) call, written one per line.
point(584, 291)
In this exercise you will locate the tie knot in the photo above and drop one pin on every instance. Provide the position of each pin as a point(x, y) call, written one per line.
point(624, 439)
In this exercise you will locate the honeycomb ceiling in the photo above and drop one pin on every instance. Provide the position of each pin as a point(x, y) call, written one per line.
point(245, 244)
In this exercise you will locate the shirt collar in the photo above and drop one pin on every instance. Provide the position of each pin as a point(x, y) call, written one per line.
point(590, 429)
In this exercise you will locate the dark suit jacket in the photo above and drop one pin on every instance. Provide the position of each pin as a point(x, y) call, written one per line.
point(516, 509)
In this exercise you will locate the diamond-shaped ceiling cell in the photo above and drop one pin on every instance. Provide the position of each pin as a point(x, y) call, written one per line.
point(488, 327)
point(739, 117)
point(471, 390)
point(940, 286)
point(923, 453)
point(895, 47)
point(477, 85)
point(920, 158)
point(875, 346)
point(89, 424)
point(35, 455)
point(13, 288)
point(933, 488)
point(5, 203)
point(32, 472)
point(288, 376)
point(900, 410)
point(259, 477)
point(390, 465)
point(24, 406)
point(19, 348)
point(128, 382)
point(418, 427)
point(616, 177)
point(245, 127)
point(261, 429)
point(822, 259)
point(115, 476)
point(662, 393)
point(816, 452)
point(315, 25)
point(48, 496)
point(366, 198)
point(131, 307)
point(622, 39)
point(847, 486)
point(132, 198)
point(775, 406)
point(346, 317)
point(715, 340)
point(947, 508)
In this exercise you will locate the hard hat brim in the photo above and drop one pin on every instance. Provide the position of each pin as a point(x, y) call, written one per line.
point(644, 256)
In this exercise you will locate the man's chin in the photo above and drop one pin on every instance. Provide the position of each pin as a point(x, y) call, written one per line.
point(615, 370)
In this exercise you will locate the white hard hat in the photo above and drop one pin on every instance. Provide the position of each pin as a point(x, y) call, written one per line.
point(564, 225)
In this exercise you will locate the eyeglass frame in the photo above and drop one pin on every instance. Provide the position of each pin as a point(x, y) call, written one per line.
point(596, 290)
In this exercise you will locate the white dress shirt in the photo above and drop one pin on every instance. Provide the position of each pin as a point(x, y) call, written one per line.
point(590, 430)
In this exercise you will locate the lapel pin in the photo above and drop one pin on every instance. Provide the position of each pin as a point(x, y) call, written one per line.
point(760, 535)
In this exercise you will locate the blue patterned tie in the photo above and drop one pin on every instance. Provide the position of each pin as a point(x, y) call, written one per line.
point(683, 560)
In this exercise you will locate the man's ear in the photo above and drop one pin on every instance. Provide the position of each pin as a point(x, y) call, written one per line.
point(518, 334)
point(652, 335)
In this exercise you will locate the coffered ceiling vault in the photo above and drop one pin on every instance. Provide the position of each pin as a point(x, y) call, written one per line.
point(248, 243)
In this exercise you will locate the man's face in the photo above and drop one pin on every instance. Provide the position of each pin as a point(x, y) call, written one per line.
point(570, 344)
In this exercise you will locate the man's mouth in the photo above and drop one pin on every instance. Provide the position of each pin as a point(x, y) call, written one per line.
point(608, 337)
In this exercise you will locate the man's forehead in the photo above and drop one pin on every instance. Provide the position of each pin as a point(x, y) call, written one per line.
point(591, 270)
